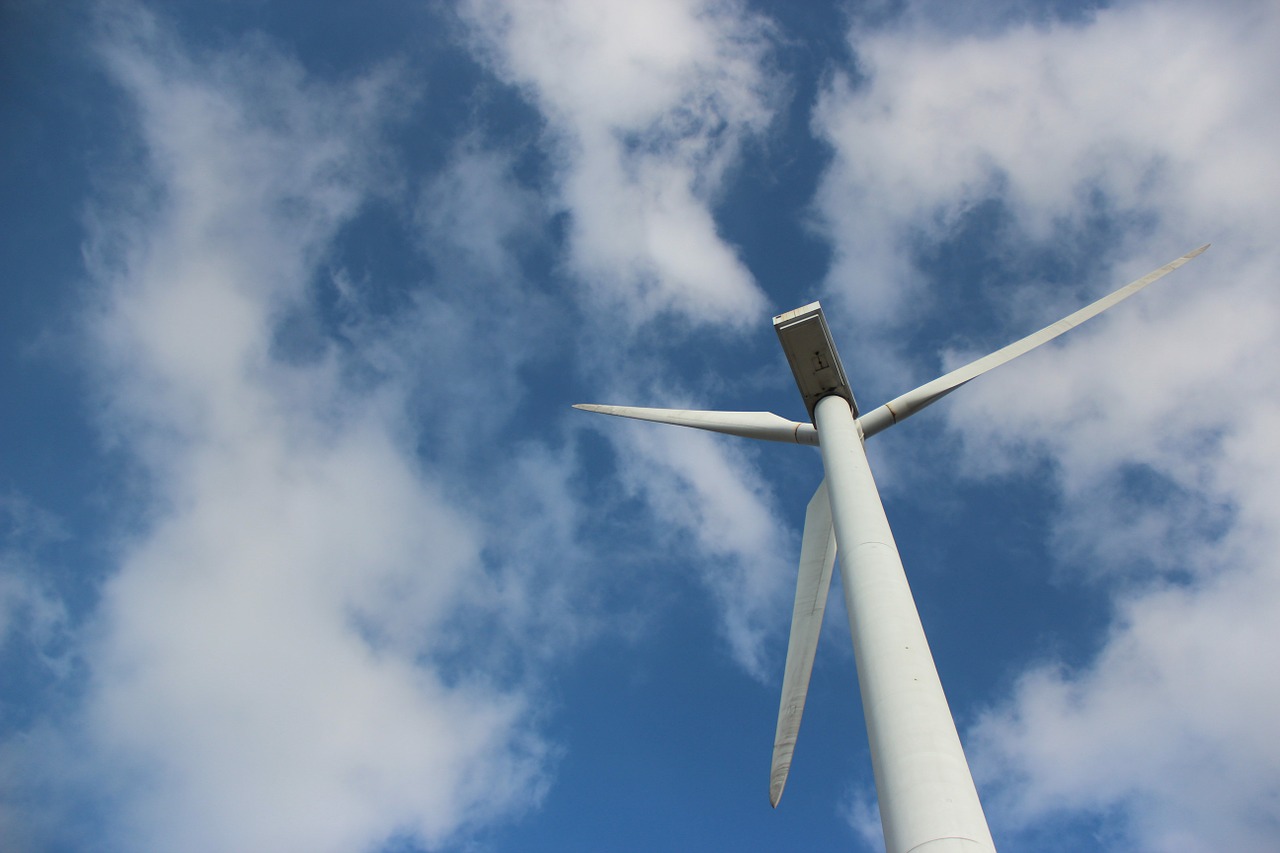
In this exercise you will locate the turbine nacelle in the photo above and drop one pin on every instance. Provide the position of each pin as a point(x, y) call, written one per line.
point(811, 352)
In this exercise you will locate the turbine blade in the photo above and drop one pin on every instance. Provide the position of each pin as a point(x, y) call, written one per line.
point(817, 557)
point(913, 401)
point(763, 425)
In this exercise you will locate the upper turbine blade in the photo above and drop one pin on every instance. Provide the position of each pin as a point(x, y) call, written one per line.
point(765, 425)
point(817, 557)
point(913, 401)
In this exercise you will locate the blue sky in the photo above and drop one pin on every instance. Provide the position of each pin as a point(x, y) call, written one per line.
point(301, 546)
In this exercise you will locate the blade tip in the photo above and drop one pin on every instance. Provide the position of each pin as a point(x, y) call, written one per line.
point(777, 781)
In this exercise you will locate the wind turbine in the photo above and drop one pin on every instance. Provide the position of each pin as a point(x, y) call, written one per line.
point(927, 799)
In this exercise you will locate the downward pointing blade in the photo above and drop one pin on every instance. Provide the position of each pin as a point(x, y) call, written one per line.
point(817, 557)
point(913, 401)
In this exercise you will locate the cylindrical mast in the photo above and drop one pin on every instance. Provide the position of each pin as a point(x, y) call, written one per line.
point(928, 802)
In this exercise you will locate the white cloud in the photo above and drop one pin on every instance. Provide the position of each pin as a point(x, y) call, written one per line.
point(260, 658)
point(706, 492)
point(27, 608)
point(268, 667)
point(475, 208)
point(1137, 106)
point(647, 105)
point(1158, 420)
point(1169, 723)
point(29, 612)
point(861, 811)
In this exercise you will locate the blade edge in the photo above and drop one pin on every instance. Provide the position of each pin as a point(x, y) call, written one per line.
point(760, 425)
point(813, 584)
point(900, 408)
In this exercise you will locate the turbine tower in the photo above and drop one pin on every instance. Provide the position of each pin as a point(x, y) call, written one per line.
point(927, 799)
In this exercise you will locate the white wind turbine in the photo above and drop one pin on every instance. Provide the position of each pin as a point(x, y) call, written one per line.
point(928, 802)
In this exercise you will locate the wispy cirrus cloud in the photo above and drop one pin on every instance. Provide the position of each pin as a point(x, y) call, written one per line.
point(30, 612)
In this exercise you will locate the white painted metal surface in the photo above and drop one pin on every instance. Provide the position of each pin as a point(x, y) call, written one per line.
point(762, 425)
point(927, 797)
point(811, 352)
point(813, 583)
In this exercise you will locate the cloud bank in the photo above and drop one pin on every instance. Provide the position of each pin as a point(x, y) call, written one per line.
point(268, 666)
